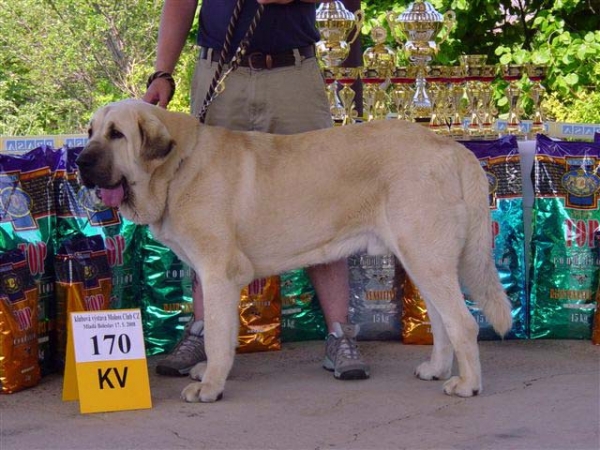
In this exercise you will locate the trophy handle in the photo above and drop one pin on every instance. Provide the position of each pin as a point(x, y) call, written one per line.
point(360, 18)
point(449, 22)
point(391, 20)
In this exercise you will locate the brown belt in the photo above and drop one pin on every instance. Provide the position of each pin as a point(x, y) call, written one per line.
point(259, 60)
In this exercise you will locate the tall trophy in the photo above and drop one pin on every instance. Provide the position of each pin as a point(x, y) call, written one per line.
point(456, 96)
point(536, 74)
point(379, 62)
point(346, 76)
point(473, 67)
point(401, 91)
point(335, 23)
point(488, 106)
point(437, 79)
point(513, 73)
point(421, 24)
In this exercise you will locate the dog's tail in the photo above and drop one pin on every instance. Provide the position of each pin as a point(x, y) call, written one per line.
point(478, 270)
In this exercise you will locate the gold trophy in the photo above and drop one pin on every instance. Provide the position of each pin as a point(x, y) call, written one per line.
point(335, 22)
point(379, 62)
point(380, 56)
point(375, 99)
point(537, 73)
point(488, 107)
point(420, 24)
point(473, 66)
point(513, 73)
point(456, 95)
point(437, 79)
point(401, 92)
point(338, 111)
point(346, 76)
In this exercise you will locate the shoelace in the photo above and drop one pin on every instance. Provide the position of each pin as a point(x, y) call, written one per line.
point(191, 345)
point(348, 348)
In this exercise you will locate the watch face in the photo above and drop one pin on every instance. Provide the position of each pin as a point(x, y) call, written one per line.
point(379, 34)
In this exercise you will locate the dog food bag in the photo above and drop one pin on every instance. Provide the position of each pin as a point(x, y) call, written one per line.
point(81, 213)
point(19, 299)
point(301, 315)
point(375, 300)
point(27, 222)
point(416, 327)
point(260, 316)
point(83, 282)
point(566, 217)
point(166, 293)
point(502, 164)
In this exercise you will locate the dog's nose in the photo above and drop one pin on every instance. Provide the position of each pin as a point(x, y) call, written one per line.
point(86, 160)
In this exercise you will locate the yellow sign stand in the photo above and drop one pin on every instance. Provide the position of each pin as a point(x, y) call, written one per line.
point(106, 368)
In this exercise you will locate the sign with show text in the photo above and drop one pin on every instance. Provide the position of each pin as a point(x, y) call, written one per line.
point(109, 360)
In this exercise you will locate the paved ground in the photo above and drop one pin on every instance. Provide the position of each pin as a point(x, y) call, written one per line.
point(537, 395)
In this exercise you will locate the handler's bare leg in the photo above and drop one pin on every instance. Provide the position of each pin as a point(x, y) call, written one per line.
point(342, 356)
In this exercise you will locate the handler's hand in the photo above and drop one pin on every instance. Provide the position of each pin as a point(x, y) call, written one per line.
point(158, 93)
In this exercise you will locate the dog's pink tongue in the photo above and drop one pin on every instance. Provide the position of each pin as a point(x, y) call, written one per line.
point(112, 197)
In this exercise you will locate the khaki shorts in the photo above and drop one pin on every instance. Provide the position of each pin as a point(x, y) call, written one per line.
point(285, 100)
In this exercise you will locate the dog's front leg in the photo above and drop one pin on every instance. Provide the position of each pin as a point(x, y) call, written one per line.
point(221, 323)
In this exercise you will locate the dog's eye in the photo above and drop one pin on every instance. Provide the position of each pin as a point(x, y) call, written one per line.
point(115, 134)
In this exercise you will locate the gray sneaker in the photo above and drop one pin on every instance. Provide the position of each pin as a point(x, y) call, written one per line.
point(186, 354)
point(341, 354)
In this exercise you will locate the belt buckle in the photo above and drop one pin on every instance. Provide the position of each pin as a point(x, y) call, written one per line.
point(263, 58)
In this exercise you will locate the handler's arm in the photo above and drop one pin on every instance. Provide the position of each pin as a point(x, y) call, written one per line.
point(175, 23)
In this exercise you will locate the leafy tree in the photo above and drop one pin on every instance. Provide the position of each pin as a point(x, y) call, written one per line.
point(61, 59)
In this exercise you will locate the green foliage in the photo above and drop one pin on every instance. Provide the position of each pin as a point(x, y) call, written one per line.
point(61, 59)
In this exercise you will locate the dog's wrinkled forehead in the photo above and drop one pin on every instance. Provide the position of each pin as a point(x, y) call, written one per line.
point(112, 122)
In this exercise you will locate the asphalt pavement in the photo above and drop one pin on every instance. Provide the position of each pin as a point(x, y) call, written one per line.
point(537, 394)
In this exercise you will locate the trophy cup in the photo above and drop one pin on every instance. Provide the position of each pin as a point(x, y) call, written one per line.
point(380, 56)
point(513, 73)
point(456, 95)
point(488, 107)
point(375, 99)
point(437, 79)
point(473, 66)
point(379, 62)
point(420, 24)
point(335, 22)
point(536, 74)
point(338, 111)
point(346, 76)
point(401, 92)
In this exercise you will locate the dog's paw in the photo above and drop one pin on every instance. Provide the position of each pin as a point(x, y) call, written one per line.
point(427, 371)
point(197, 372)
point(201, 392)
point(462, 388)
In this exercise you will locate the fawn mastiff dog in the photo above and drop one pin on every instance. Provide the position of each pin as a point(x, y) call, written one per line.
point(237, 206)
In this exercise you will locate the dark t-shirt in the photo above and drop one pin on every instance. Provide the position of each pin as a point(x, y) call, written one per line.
point(281, 27)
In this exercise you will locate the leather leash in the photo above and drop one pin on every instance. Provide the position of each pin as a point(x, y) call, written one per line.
point(218, 82)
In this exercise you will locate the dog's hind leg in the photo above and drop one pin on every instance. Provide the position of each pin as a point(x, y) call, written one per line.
point(439, 367)
point(451, 323)
point(431, 259)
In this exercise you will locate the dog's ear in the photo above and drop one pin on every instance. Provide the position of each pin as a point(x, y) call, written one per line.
point(157, 143)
